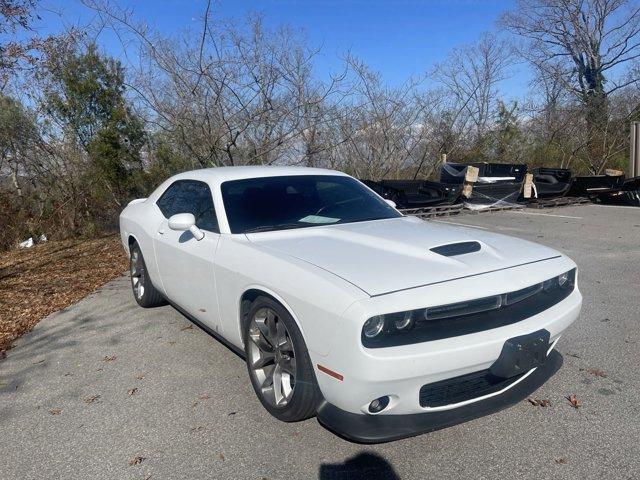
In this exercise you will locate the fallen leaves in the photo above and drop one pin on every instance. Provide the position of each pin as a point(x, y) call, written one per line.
point(536, 402)
point(132, 391)
point(48, 277)
point(197, 429)
point(573, 400)
point(110, 358)
point(204, 396)
point(140, 376)
point(91, 399)
point(595, 372)
point(187, 327)
point(560, 461)
point(222, 457)
point(137, 460)
point(55, 411)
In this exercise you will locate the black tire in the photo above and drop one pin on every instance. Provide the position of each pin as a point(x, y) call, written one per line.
point(305, 395)
point(144, 292)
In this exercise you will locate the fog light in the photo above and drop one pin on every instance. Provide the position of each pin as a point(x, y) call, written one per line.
point(379, 404)
point(373, 326)
point(562, 279)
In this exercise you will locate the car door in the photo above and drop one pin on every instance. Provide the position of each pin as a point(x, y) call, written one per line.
point(186, 264)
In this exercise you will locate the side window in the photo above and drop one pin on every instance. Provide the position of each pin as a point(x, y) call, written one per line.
point(190, 196)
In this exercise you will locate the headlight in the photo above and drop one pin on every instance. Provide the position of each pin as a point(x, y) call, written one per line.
point(373, 327)
point(562, 279)
point(404, 322)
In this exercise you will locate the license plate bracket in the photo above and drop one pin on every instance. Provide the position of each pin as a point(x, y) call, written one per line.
point(521, 354)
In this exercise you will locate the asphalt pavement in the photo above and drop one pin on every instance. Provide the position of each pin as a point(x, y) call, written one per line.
point(107, 390)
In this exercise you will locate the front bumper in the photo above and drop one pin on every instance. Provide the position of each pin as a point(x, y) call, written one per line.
point(401, 371)
point(384, 428)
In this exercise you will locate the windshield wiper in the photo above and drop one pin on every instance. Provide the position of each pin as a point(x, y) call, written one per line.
point(268, 228)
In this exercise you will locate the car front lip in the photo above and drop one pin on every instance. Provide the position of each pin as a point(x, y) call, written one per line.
point(363, 428)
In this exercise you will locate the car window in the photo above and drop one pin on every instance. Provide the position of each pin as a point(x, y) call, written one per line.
point(190, 196)
point(298, 201)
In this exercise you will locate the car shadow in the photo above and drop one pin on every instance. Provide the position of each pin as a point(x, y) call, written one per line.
point(365, 465)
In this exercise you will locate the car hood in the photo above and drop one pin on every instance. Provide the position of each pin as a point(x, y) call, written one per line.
point(384, 256)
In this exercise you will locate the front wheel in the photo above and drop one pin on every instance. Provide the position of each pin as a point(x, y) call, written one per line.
point(278, 362)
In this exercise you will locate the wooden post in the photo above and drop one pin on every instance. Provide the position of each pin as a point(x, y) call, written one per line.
point(527, 187)
point(470, 177)
point(634, 157)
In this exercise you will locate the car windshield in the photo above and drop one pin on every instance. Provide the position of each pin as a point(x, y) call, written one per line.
point(298, 201)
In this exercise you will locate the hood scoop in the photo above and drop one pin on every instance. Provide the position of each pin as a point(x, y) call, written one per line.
point(454, 249)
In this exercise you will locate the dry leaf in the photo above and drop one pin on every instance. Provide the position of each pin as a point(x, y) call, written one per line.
point(187, 327)
point(222, 457)
point(110, 358)
point(596, 372)
point(204, 396)
point(40, 280)
point(91, 399)
point(140, 376)
point(197, 429)
point(573, 400)
point(561, 461)
point(55, 411)
point(536, 402)
point(132, 391)
point(137, 460)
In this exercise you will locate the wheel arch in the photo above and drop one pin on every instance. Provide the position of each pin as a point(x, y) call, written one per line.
point(254, 291)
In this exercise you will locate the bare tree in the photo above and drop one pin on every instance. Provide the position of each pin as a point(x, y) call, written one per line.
point(470, 76)
point(583, 43)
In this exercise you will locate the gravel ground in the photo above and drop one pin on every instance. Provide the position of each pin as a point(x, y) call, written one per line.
point(104, 389)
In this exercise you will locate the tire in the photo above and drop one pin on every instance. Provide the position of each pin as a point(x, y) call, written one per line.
point(271, 353)
point(144, 292)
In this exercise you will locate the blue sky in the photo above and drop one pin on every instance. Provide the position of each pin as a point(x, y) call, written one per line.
point(398, 38)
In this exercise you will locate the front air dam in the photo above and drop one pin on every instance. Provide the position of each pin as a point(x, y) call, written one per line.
point(362, 428)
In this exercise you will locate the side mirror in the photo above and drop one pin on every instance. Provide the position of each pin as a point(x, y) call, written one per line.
point(391, 203)
point(182, 222)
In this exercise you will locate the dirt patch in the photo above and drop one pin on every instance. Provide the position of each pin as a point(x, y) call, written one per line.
point(37, 281)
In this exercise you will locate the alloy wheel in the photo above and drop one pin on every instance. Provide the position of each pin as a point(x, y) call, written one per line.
point(271, 357)
point(137, 274)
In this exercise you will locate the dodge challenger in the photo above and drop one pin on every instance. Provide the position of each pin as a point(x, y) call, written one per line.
point(382, 325)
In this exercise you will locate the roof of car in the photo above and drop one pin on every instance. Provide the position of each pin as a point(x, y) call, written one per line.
point(222, 174)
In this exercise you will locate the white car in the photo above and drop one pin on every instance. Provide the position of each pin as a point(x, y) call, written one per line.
point(382, 325)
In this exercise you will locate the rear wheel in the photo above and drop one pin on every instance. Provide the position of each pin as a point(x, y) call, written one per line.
point(278, 362)
point(143, 290)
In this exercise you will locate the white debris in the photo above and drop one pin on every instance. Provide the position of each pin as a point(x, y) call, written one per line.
point(42, 238)
point(27, 243)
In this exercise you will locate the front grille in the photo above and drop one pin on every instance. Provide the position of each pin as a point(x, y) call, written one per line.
point(465, 387)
